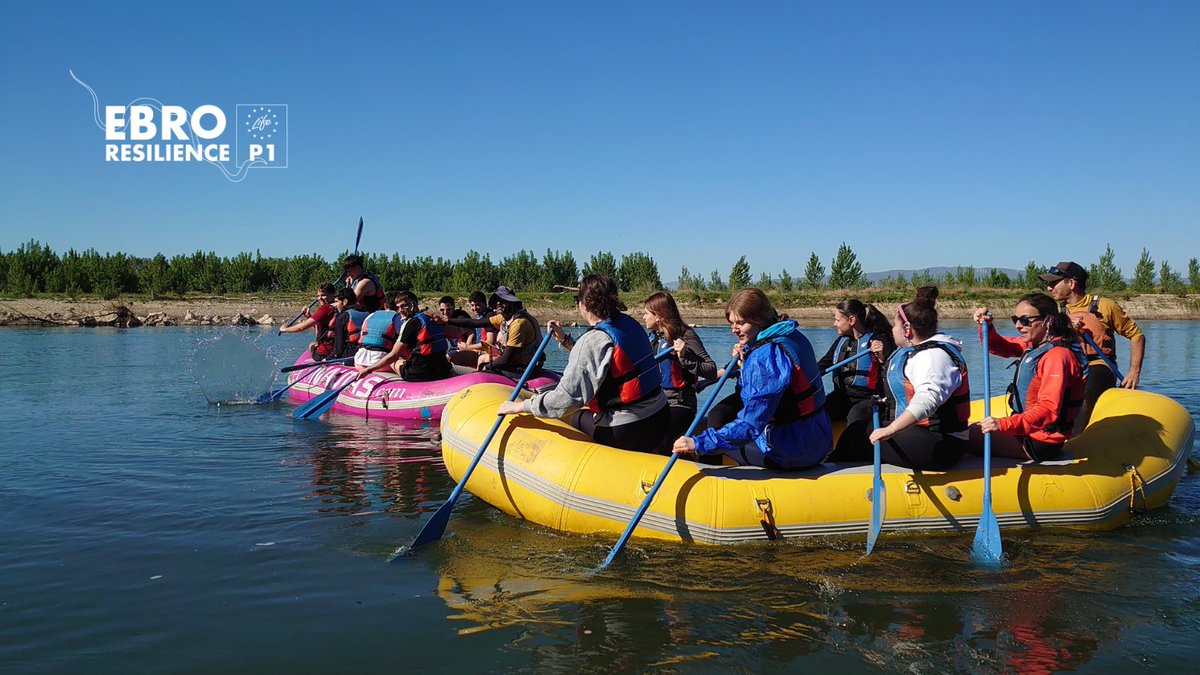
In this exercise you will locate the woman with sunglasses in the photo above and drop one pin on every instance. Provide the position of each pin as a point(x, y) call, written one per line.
point(611, 371)
point(929, 397)
point(1047, 390)
point(779, 401)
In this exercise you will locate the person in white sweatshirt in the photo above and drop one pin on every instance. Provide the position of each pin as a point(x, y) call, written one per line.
point(925, 417)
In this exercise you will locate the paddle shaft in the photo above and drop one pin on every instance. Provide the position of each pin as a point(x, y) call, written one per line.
point(637, 517)
point(987, 547)
point(436, 525)
point(1107, 361)
point(844, 361)
point(314, 364)
point(357, 239)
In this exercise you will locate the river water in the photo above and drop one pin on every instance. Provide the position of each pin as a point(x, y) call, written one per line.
point(145, 528)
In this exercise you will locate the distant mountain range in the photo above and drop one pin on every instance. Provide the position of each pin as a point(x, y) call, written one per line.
point(935, 272)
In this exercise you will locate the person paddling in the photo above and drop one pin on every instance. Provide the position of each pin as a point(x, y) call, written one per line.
point(419, 349)
point(611, 371)
point(780, 418)
point(929, 397)
point(860, 328)
point(1047, 389)
point(687, 363)
point(319, 319)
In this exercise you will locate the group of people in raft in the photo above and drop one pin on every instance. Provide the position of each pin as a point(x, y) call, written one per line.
point(780, 415)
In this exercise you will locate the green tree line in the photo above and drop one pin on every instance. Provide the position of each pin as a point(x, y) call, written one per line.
point(34, 268)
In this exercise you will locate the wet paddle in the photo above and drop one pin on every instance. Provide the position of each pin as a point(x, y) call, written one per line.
point(1108, 362)
point(357, 239)
point(987, 547)
point(436, 526)
point(320, 404)
point(275, 395)
point(637, 517)
point(314, 364)
point(878, 491)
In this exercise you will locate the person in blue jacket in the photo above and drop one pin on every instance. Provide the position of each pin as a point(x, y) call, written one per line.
point(781, 422)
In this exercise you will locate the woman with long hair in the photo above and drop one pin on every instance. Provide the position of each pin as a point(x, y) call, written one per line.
point(610, 370)
point(861, 327)
point(688, 362)
point(929, 397)
point(781, 422)
point(1047, 389)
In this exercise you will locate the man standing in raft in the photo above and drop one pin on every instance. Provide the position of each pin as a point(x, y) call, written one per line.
point(367, 288)
point(1067, 284)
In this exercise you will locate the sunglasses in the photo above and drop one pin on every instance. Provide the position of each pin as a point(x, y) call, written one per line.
point(1026, 319)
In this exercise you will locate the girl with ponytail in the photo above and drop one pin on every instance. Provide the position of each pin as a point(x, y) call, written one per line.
point(928, 396)
point(860, 328)
point(1047, 390)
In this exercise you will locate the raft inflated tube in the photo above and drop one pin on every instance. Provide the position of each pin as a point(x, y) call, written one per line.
point(384, 396)
point(1131, 456)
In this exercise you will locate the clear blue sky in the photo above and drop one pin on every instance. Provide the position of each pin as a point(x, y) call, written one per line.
point(921, 133)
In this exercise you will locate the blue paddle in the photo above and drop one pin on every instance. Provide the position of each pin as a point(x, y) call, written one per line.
point(637, 517)
point(357, 239)
point(987, 547)
point(436, 526)
point(314, 364)
point(844, 361)
point(1108, 362)
point(273, 396)
point(878, 492)
point(318, 405)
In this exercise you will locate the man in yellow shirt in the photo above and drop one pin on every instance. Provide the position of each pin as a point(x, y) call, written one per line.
point(1067, 283)
point(517, 333)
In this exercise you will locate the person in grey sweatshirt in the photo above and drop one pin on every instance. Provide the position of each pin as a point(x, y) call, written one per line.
point(611, 371)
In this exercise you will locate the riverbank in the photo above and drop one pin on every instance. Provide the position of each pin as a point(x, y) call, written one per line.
point(278, 310)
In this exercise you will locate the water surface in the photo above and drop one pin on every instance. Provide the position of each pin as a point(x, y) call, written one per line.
point(147, 529)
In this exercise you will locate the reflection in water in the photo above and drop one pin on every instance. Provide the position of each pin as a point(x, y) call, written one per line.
point(913, 605)
point(362, 468)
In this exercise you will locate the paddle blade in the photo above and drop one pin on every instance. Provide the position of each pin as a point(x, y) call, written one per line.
point(358, 237)
point(319, 405)
point(434, 528)
point(987, 547)
point(878, 508)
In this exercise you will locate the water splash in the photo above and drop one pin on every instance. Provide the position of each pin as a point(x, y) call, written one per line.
point(234, 367)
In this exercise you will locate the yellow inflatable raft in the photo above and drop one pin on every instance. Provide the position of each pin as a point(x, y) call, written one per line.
point(1130, 457)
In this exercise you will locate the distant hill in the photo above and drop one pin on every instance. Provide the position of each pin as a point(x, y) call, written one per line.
point(939, 272)
point(935, 272)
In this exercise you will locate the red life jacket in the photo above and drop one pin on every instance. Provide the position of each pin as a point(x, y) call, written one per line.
point(805, 395)
point(632, 375)
point(430, 338)
point(953, 415)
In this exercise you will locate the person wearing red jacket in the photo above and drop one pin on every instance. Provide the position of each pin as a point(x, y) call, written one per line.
point(1047, 388)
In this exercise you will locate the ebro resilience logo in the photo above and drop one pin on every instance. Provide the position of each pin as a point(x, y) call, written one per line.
point(149, 131)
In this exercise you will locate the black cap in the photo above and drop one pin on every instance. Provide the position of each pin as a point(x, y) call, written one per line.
point(1065, 270)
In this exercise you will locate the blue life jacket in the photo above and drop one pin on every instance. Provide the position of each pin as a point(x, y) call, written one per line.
point(430, 338)
point(861, 376)
point(672, 376)
point(953, 415)
point(374, 331)
point(1027, 369)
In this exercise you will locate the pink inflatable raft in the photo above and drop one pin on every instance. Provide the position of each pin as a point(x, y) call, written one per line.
point(386, 396)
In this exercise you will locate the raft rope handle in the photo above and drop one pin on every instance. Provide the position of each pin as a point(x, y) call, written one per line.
point(1136, 484)
point(768, 518)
